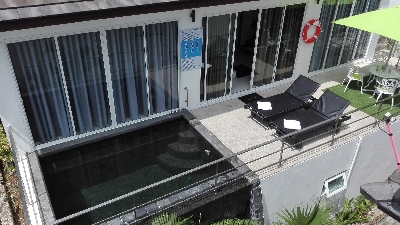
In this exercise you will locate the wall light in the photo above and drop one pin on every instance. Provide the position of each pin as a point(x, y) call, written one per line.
point(193, 15)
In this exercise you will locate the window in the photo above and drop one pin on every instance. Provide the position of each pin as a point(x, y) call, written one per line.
point(62, 80)
point(128, 72)
point(162, 65)
point(40, 83)
point(85, 79)
point(335, 184)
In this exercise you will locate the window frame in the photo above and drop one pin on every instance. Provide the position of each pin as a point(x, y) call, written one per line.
point(106, 64)
point(327, 181)
point(228, 82)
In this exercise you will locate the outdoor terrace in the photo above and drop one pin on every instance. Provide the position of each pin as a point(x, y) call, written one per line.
point(256, 145)
point(261, 147)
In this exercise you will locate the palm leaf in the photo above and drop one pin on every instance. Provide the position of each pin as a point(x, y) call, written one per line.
point(237, 222)
point(171, 219)
point(316, 215)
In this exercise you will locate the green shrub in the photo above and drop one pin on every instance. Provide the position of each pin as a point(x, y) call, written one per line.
point(174, 219)
point(236, 222)
point(354, 211)
point(171, 219)
point(6, 156)
point(315, 215)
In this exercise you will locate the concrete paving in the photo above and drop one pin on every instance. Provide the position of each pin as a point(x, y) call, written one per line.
point(237, 130)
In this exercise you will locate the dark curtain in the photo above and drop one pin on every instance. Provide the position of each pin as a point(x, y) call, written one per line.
point(84, 71)
point(162, 59)
point(127, 63)
point(289, 41)
point(40, 83)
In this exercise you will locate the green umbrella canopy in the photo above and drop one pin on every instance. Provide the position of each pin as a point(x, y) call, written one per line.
point(384, 22)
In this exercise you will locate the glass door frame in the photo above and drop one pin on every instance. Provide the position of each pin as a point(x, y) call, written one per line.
point(230, 55)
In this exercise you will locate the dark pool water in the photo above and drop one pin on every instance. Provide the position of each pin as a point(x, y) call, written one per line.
point(85, 176)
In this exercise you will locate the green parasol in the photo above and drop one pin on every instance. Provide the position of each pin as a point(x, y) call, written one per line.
point(384, 22)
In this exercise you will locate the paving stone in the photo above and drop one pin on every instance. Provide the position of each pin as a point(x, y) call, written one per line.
point(152, 208)
point(129, 217)
point(222, 179)
point(163, 203)
point(202, 187)
point(193, 190)
point(184, 194)
point(116, 221)
point(140, 213)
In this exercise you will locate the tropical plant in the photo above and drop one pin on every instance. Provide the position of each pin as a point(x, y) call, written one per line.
point(171, 219)
point(6, 157)
point(314, 215)
point(354, 211)
point(363, 205)
point(236, 222)
point(174, 219)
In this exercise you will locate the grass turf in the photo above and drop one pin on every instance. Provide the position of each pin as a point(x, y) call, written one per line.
point(361, 101)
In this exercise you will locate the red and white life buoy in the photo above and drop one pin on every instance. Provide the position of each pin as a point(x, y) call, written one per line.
point(318, 29)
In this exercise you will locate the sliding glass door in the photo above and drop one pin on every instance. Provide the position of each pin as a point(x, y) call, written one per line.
point(338, 32)
point(248, 49)
point(245, 42)
point(218, 55)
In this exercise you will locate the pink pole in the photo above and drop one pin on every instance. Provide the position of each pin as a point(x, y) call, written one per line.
point(393, 145)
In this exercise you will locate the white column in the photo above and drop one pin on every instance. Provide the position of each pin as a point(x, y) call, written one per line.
point(304, 51)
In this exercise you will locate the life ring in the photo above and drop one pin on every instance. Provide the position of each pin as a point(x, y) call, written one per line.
point(318, 30)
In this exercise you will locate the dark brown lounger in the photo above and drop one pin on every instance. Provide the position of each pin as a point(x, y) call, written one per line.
point(295, 97)
point(328, 106)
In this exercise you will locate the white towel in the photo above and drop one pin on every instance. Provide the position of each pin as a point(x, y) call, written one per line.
point(264, 105)
point(292, 124)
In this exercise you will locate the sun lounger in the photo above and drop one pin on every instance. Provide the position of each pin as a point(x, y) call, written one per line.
point(328, 106)
point(297, 96)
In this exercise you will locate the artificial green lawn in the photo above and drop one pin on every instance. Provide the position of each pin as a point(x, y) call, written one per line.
point(360, 101)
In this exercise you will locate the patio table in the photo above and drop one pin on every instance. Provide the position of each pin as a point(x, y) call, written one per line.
point(378, 72)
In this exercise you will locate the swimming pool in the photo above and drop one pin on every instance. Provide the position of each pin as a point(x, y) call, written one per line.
point(90, 174)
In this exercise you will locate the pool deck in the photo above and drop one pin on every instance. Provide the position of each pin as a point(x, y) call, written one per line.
point(237, 130)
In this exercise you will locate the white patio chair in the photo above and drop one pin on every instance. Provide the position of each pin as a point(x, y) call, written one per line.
point(354, 74)
point(387, 87)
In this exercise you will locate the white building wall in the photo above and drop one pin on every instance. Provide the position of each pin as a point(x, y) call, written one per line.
point(11, 107)
point(302, 184)
point(389, 3)
point(304, 51)
point(189, 87)
point(191, 79)
point(375, 161)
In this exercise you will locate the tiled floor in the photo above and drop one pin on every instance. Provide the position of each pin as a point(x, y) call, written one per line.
point(234, 127)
